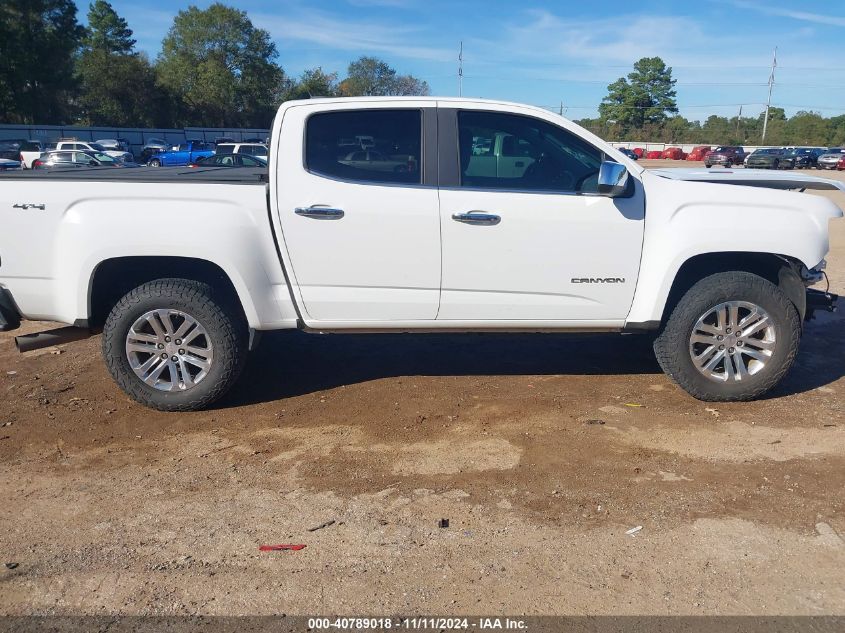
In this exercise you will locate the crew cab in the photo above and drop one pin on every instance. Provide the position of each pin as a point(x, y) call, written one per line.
point(180, 155)
point(505, 217)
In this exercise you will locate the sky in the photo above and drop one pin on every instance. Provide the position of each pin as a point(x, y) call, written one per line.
point(553, 53)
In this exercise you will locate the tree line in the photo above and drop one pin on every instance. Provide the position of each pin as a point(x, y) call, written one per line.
point(215, 69)
point(643, 107)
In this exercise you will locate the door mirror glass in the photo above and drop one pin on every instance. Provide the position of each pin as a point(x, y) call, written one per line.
point(613, 179)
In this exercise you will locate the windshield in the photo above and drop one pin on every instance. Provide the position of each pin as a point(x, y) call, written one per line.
point(104, 158)
point(799, 152)
point(768, 151)
point(722, 149)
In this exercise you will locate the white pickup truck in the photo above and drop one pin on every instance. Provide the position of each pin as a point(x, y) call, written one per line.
point(182, 268)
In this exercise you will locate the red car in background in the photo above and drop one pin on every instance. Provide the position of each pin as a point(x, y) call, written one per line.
point(841, 164)
point(699, 152)
point(639, 151)
point(654, 154)
point(673, 153)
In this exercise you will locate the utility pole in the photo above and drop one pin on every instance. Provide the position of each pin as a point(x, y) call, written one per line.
point(769, 100)
point(561, 108)
point(738, 119)
point(461, 71)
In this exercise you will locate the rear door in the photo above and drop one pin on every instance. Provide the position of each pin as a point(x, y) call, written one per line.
point(533, 241)
point(363, 240)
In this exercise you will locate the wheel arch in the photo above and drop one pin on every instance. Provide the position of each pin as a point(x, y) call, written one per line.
point(112, 278)
point(781, 270)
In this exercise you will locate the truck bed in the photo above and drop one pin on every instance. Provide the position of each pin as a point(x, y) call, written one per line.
point(205, 175)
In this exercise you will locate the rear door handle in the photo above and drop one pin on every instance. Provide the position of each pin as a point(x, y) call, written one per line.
point(477, 217)
point(319, 213)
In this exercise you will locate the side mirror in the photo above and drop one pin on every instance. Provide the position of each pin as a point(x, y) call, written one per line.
point(613, 179)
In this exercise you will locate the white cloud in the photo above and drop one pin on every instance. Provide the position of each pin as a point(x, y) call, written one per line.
point(352, 35)
point(805, 16)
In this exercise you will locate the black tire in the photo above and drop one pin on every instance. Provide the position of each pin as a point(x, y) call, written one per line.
point(222, 322)
point(728, 165)
point(155, 162)
point(672, 346)
point(707, 166)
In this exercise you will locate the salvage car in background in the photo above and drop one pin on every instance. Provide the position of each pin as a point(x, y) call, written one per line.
point(629, 153)
point(654, 154)
point(699, 152)
point(10, 154)
point(229, 160)
point(673, 153)
point(830, 159)
point(68, 159)
point(90, 146)
point(725, 155)
point(770, 158)
point(805, 157)
point(259, 150)
point(183, 154)
point(29, 151)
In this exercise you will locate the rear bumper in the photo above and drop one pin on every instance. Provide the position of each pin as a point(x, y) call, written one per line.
point(10, 318)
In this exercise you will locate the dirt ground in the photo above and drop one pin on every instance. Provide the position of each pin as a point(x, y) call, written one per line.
point(540, 450)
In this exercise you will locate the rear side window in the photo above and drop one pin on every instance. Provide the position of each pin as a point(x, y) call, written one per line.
point(336, 144)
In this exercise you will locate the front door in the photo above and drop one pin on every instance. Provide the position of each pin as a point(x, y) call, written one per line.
point(360, 217)
point(525, 235)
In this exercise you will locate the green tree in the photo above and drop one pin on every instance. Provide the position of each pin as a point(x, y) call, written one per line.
point(107, 31)
point(38, 39)
point(221, 68)
point(370, 76)
point(117, 85)
point(647, 95)
point(808, 128)
point(313, 83)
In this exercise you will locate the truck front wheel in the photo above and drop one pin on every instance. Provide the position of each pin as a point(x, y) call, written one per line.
point(732, 336)
point(174, 344)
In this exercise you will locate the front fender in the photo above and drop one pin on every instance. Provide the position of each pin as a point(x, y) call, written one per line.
point(685, 219)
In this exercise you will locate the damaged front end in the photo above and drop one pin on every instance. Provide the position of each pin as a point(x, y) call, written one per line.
point(823, 300)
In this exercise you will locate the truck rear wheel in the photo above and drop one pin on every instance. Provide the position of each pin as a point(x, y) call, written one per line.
point(174, 344)
point(732, 336)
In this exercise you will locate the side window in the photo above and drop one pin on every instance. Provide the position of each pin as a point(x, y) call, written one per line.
point(507, 151)
point(336, 145)
point(184, 147)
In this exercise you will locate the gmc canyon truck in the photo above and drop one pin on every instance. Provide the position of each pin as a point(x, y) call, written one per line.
point(182, 269)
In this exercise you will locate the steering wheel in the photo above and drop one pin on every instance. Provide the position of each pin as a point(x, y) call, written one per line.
point(546, 170)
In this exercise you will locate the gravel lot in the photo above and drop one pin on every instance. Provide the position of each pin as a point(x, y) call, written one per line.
point(540, 450)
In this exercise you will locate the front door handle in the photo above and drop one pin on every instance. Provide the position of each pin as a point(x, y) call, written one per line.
point(477, 217)
point(28, 205)
point(319, 213)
